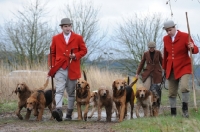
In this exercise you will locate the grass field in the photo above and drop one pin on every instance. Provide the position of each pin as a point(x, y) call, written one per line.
point(163, 123)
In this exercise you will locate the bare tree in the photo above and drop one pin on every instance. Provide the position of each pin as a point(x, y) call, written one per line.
point(197, 56)
point(28, 35)
point(86, 23)
point(133, 34)
point(168, 2)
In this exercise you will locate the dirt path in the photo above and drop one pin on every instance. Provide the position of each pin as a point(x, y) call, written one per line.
point(10, 123)
point(51, 126)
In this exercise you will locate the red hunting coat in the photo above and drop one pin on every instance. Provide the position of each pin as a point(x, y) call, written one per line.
point(176, 55)
point(60, 54)
point(152, 67)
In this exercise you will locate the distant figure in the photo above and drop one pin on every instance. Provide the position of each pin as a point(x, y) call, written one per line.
point(177, 65)
point(152, 73)
point(67, 49)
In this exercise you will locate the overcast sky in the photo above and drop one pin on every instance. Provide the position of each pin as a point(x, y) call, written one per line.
point(113, 10)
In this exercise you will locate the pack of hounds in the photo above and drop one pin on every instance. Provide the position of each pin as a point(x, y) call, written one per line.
point(113, 100)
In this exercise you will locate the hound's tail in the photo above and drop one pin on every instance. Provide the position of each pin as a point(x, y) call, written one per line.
point(133, 83)
point(128, 80)
point(45, 85)
point(84, 75)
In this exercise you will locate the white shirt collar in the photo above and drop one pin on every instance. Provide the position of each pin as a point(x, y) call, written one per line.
point(67, 37)
point(173, 37)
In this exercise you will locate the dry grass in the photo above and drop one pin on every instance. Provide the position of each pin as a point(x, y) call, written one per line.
point(9, 83)
point(95, 77)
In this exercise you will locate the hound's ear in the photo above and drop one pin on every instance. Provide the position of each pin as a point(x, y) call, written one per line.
point(88, 86)
point(137, 94)
point(95, 95)
point(35, 101)
point(98, 93)
point(25, 86)
point(107, 91)
point(16, 89)
point(148, 92)
point(113, 85)
point(125, 83)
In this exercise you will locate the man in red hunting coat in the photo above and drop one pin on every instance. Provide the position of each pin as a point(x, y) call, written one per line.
point(177, 64)
point(67, 49)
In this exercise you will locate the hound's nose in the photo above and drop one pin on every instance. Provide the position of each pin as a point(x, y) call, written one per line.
point(18, 88)
point(104, 94)
point(79, 85)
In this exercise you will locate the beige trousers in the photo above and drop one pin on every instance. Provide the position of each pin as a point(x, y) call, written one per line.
point(175, 84)
point(147, 82)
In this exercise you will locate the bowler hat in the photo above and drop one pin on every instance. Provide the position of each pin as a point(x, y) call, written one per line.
point(65, 21)
point(168, 24)
point(151, 44)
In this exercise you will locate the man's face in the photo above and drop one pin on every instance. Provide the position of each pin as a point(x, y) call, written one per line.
point(171, 31)
point(66, 28)
point(152, 49)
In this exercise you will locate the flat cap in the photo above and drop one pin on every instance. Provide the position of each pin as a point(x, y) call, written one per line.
point(151, 44)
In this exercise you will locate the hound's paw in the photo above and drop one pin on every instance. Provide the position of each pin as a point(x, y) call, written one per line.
point(80, 119)
point(20, 117)
point(98, 119)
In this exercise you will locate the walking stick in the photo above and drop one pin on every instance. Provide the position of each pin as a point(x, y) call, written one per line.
point(194, 92)
point(52, 83)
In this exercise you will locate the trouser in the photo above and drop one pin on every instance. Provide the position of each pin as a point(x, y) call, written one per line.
point(63, 82)
point(175, 84)
point(148, 82)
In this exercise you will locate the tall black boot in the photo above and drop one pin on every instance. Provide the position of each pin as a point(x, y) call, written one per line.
point(69, 115)
point(185, 110)
point(173, 112)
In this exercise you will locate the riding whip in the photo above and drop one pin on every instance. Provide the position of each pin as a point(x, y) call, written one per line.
point(71, 52)
point(52, 83)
